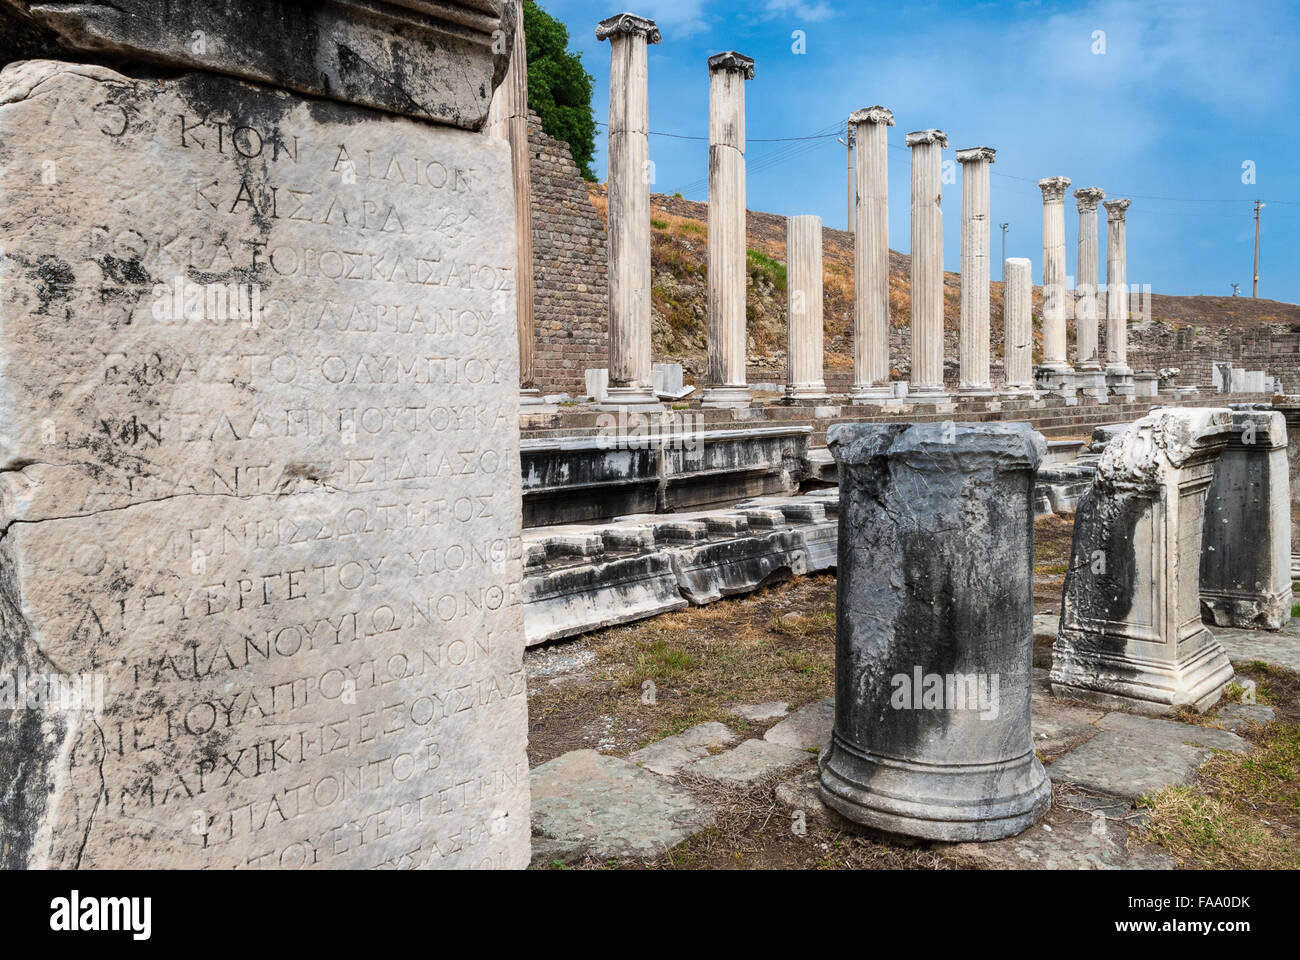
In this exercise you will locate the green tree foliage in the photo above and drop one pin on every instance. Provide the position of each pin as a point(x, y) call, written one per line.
point(559, 89)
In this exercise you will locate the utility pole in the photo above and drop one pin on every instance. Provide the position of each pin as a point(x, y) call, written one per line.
point(1254, 286)
point(848, 141)
point(1004, 226)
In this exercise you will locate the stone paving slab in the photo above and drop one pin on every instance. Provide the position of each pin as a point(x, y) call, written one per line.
point(669, 755)
point(800, 792)
point(587, 804)
point(1057, 725)
point(771, 710)
point(1132, 756)
point(1237, 715)
point(1280, 649)
point(1101, 844)
point(808, 728)
point(748, 763)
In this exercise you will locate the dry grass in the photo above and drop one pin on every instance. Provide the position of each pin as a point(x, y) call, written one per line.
point(776, 644)
point(1243, 810)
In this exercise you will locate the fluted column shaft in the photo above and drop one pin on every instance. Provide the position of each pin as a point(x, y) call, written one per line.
point(726, 281)
point(927, 263)
point(973, 353)
point(1054, 300)
point(1086, 311)
point(871, 255)
point(629, 208)
point(1017, 321)
point(804, 359)
point(1116, 288)
point(508, 120)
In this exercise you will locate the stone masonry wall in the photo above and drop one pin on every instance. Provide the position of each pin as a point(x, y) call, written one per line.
point(569, 259)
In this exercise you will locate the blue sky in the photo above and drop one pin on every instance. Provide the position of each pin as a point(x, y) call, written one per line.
point(1183, 95)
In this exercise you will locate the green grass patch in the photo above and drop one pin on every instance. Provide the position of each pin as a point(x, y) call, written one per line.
point(760, 264)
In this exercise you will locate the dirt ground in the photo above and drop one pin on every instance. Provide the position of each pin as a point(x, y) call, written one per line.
point(779, 644)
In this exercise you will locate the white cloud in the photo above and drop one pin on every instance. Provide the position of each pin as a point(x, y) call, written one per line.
point(798, 10)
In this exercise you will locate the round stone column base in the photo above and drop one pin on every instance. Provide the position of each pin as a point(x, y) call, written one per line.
point(952, 803)
point(726, 396)
point(639, 396)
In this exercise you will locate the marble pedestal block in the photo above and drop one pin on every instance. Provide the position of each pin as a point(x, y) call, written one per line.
point(1057, 382)
point(1289, 406)
point(1246, 545)
point(233, 322)
point(1121, 384)
point(1131, 633)
point(935, 624)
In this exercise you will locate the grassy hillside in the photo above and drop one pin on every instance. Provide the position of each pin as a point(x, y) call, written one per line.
point(679, 255)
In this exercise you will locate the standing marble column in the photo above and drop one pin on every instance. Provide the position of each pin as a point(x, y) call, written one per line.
point(805, 379)
point(1088, 371)
point(629, 210)
point(1018, 325)
point(871, 257)
point(726, 327)
point(974, 342)
point(927, 265)
point(1055, 372)
point(934, 630)
point(508, 120)
point(1119, 376)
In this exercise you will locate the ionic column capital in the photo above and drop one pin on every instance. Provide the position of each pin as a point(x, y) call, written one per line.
point(971, 154)
point(1053, 188)
point(628, 23)
point(918, 137)
point(731, 60)
point(876, 114)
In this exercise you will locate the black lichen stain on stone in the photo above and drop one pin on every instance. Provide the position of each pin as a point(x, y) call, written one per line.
point(122, 271)
point(29, 739)
point(1102, 579)
point(55, 281)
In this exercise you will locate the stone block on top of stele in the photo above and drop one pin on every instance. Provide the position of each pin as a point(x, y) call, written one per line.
point(1131, 634)
point(934, 634)
point(258, 432)
point(1246, 544)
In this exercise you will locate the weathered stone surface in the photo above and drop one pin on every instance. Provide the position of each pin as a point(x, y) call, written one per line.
point(1131, 632)
point(808, 728)
point(570, 599)
point(1281, 649)
point(295, 571)
point(437, 61)
point(757, 712)
point(1246, 542)
point(1104, 844)
point(752, 761)
point(605, 807)
point(1237, 715)
point(669, 755)
point(1058, 726)
point(1136, 756)
point(934, 627)
point(802, 793)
